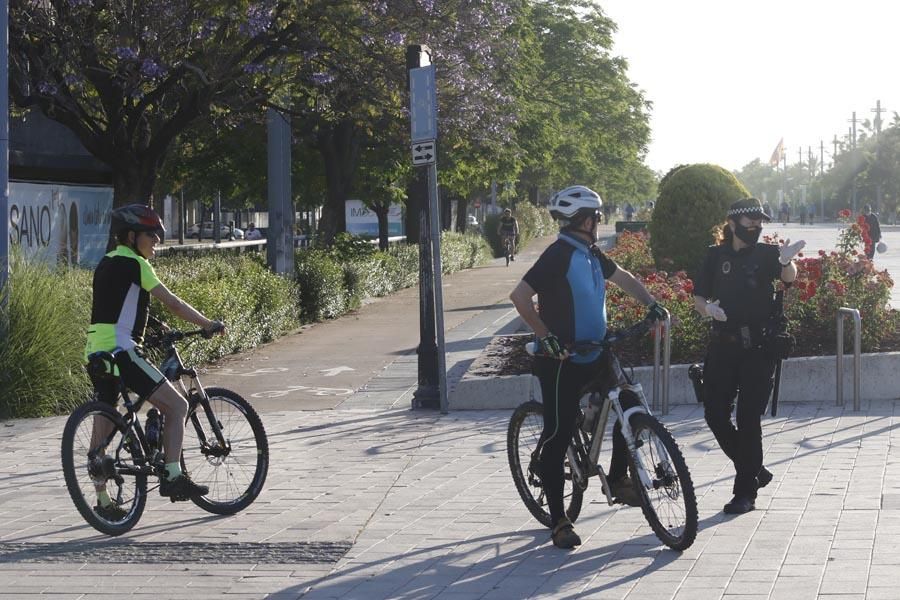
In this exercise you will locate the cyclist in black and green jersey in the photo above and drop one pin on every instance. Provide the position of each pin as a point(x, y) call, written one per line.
point(123, 284)
point(508, 229)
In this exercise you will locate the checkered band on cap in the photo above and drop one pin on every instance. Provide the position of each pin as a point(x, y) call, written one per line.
point(746, 211)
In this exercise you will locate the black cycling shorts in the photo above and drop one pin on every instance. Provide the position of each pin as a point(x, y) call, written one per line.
point(136, 372)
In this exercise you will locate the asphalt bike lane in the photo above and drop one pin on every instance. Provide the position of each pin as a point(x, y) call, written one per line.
point(326, 363)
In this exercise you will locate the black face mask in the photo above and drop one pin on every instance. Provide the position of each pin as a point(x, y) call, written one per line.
point(748, 235)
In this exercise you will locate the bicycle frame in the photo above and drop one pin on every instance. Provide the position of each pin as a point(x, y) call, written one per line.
point(611, 405)
point(174, 369)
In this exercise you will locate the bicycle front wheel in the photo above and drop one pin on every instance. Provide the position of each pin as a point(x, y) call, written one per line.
point(522, 439)
point(100, 453)
point(233, 467)
point(663, 482)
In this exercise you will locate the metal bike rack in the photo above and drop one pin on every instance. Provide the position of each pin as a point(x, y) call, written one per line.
point(857, 328)
point(662, 331)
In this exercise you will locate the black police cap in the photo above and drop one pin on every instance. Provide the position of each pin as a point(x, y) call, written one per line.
point(750, 207)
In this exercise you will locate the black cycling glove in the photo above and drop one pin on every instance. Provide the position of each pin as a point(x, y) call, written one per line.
point(551, 347)
point(655, 312)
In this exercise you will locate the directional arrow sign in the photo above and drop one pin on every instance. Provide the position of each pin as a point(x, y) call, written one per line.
point(423, 153)
point(335, 371)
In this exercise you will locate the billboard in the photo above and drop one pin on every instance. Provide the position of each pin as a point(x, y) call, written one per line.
point(363, 221)
point(60, 223)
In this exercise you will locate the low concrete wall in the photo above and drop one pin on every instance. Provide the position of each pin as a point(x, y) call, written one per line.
point(805, 379)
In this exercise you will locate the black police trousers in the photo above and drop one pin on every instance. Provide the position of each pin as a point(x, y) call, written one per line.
point(561, 384)
point(730, 371)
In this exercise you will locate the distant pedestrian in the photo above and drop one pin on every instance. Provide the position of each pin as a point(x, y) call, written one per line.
point(874, 230)
point(629, 212)
point(810, 213)
point(785, 213)
point(252, 233)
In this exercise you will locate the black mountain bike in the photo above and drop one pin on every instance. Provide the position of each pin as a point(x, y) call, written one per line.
point(658, 470)
point(225, 446)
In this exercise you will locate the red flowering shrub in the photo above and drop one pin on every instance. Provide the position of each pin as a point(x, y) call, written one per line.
point(841, 278)
point(632, 252)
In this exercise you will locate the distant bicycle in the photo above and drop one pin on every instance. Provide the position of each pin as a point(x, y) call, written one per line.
point(509, 248)
point(225, 446)
point(660, 475)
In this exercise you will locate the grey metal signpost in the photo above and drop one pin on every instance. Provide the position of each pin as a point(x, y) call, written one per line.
point(4, 151)
point(423, 130)
point(280, 242)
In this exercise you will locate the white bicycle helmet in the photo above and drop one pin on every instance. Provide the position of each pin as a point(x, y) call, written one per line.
point(572, 202)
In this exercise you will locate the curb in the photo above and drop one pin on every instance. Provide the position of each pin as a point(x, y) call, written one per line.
point(803, 379)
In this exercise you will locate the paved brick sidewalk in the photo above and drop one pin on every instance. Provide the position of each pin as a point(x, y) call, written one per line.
point(430, 510)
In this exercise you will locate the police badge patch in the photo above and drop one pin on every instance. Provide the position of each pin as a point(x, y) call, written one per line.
point(726, 267)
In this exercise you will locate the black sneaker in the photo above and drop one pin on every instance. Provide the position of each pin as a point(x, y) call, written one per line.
point(181, 488)
point(564, 536)
point(764, 477)
point(113, 513)
point(739, 505)
point(622, 491)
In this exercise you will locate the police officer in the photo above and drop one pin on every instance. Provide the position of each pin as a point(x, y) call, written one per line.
point(735, 287)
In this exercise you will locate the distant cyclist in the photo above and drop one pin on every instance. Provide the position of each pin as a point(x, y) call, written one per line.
point(123, 284)
point(508, 230)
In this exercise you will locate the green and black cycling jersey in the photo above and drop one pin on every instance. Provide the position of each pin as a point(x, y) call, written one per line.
point(507, 225)
point(121, 303)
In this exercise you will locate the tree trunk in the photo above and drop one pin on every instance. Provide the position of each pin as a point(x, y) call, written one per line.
point(133, 183)
point(462, 216)
point(382, 213)
point(339, 146)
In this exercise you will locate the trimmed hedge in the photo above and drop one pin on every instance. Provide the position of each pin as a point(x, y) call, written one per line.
point(256, 304)
point(41, 352)
point(692, 203)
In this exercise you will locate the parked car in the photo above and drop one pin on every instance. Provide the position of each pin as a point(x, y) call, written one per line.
point(194, 230)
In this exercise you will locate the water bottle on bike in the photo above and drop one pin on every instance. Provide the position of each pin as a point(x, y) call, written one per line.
point(154, 435)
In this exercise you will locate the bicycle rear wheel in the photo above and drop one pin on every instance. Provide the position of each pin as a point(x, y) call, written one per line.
point(235, 473)
point(522, 438)
point(663, 482)
point(88, 462)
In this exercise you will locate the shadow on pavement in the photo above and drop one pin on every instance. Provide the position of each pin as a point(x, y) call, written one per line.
point(492, 564)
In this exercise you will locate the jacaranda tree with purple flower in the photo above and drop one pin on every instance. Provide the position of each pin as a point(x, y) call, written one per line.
point(128, 76)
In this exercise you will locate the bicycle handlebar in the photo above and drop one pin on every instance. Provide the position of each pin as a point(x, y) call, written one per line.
point(612, 338)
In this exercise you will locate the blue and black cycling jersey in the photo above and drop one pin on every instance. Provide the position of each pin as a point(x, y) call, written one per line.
point(570, 281)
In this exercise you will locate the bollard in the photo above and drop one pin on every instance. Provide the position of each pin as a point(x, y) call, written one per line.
point(857, 328)
point(662, 335)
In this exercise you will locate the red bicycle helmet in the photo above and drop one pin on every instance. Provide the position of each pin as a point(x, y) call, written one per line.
point(136, 217)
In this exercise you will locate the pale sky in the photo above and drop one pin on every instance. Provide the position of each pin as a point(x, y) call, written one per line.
point(729, 79)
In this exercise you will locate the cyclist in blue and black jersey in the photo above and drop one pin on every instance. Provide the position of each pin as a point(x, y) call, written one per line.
point(569, 279)
point(122, 286)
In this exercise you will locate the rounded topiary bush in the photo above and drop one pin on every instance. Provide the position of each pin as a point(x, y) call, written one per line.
point(692, 203)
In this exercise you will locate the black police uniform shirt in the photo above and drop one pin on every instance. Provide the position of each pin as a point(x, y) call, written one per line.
point(570, 281)
point(743, 281)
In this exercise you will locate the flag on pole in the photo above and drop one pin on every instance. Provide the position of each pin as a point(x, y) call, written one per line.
point(778, 154)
